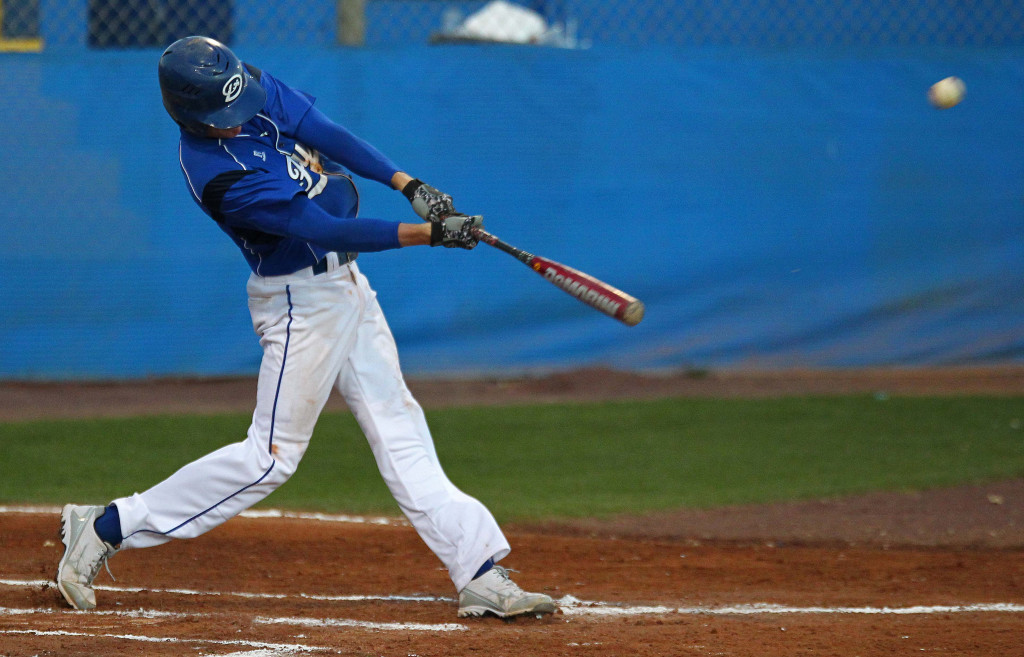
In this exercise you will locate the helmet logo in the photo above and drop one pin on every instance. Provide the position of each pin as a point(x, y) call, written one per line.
point(232, 88)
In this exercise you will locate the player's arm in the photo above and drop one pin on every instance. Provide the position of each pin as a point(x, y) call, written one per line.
point(310, 222)
point(339, 144)
point(247, 199)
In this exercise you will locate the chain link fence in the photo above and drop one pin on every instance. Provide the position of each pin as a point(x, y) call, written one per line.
point(33, 25)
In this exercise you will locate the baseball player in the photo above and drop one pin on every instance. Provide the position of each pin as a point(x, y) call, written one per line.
point(265, 164)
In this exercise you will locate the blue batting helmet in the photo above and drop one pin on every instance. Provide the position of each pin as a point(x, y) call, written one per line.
point(205, 85)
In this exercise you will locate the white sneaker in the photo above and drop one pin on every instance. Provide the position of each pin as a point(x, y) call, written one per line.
point(494, 593)
point(84, 553)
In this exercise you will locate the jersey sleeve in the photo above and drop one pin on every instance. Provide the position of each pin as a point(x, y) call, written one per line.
point(241, 199)
point(345, 148)
point(285, 105)
point(295, 115)
point(255, 200)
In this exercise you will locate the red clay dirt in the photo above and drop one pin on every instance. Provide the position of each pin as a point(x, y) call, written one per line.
point(938, 572)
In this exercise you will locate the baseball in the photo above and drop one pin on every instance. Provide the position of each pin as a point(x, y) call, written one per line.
point(947, 92)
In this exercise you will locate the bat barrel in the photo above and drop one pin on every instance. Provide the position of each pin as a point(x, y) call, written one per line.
point(595, 293)
point(591, 291)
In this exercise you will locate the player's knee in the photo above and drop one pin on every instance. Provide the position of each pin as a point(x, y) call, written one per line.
point(286, 459)
point(284, 469)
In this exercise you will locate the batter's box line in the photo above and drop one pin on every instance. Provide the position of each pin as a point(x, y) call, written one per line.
point(303, 622)
point(278, 648)
point(572, 606)
point(47, 584)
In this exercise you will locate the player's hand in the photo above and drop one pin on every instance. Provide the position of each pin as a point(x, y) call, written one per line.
point(456, 231)
point(428, 202)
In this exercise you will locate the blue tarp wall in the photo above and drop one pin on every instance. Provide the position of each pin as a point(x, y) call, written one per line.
point(784, 208)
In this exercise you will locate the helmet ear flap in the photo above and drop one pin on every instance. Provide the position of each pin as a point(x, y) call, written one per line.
point(197, 129)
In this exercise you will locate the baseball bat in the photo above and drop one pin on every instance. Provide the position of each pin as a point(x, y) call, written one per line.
point(595, 293)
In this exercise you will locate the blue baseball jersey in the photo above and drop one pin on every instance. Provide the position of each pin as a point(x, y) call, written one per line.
point(280, 189)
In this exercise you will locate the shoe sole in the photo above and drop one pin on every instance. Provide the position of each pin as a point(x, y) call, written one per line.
point(477, 611)
point(64, 516)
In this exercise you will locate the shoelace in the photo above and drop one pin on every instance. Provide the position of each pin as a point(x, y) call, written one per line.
point(506, 580)
point(94, 568)
point(106, 565)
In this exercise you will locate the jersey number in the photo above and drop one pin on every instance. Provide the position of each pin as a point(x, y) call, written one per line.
point(299, 173)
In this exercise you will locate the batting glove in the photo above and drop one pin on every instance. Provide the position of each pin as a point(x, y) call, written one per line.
point(429, 203)
point(456, 231)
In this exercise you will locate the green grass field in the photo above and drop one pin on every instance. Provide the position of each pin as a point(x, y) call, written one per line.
point(530, 462)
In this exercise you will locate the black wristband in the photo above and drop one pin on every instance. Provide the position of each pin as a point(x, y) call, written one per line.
point(410, 188)
point(436, 233)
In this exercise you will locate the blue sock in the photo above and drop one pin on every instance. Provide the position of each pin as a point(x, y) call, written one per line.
point(108, 526)
point(484, 568)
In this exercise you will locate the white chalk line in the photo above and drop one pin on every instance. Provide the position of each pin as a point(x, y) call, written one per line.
point(241, 594)
point(345, 622)
point(569, 605)
point(253, 653)
point(325, 517)
point(125, 613)
point(572, 606)
point(253, 513)
point(305, 622)
point(278, 648)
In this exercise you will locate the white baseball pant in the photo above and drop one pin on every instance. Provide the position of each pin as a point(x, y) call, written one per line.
point(318, 332)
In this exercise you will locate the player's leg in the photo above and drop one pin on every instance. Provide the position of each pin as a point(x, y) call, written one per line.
point(305, 330)
point(455, 526)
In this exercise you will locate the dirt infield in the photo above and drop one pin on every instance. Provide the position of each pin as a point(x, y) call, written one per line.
point(929, 573)
point(261, 587)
